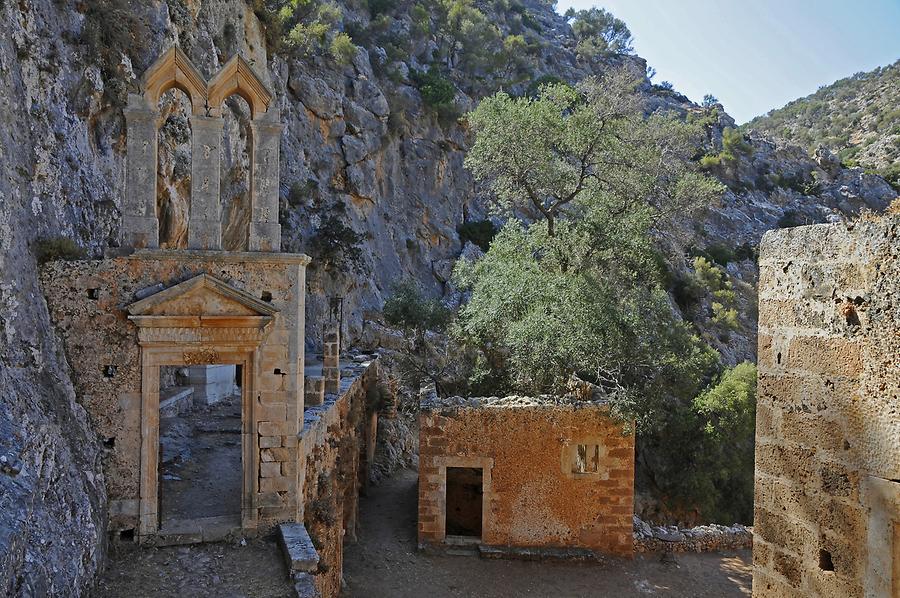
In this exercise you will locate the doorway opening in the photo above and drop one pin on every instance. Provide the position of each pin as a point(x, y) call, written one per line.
point(200, 465)
point(465, 490)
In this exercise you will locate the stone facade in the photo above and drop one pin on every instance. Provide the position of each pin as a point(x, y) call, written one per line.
point(535, 493)
point(827, 504)
point(117, 344)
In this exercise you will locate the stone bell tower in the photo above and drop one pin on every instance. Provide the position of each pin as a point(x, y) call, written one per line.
point(140, 225)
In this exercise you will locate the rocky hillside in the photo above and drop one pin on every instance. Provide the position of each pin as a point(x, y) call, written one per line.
point(857, 117)
point(373, 187)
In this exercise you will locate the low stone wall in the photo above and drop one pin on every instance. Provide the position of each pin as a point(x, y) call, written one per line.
point(703, 538)
point(335, 435)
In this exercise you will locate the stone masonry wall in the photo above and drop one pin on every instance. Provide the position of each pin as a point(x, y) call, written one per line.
point(334, 436)
point(827, 504)
point(526, 447)
point(87, 300)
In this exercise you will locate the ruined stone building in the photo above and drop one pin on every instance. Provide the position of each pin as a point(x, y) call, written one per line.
point(202, 321)
point(549, 476)
point(827, 501)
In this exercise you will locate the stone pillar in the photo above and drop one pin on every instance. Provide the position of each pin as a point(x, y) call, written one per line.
point(205, 225)
point(314, 390)
point(265, 231)
point(140, 226)
point(331, 359)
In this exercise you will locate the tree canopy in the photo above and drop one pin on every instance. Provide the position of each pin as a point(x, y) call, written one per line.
point(574, 287)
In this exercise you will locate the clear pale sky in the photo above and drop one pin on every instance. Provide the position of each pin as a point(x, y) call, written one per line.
point(755, 55)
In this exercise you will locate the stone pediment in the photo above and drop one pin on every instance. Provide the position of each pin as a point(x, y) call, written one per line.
point(203, 295)
point(203, 310)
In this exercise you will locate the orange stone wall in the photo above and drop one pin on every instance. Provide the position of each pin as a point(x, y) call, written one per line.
point(532, 498)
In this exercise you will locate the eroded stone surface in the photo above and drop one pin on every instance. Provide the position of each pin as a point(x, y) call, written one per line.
point(828, 425)
point(534, 493)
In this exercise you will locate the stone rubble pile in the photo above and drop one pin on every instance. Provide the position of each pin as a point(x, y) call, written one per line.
point(703, 538)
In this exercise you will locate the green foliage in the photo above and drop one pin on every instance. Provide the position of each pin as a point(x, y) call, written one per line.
point(379, 7)
point(579, 290)
point(581, 302)
point(408, 309)
point(438, 93)
point(57, 248)
point(534, 87)
point(334, 244)
point(421, 20)
point(891, 174)
point(723, 254)
point(467, 38)
point(709, 100)
point(479, 232)
point(570, 145)
point(701, 464)
point(427, 355)
point(733, 147)
point(597, 33)
point(342, 49)
point(305, 27)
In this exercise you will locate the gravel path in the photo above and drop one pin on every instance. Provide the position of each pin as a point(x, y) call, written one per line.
point(386, 564)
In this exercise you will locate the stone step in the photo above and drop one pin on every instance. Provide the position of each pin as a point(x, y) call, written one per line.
point(299, 552)
point(537, 554)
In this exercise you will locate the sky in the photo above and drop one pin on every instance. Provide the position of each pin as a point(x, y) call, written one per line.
point(756, 55)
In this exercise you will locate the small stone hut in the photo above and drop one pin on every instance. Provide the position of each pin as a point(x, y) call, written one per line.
point(542, 475)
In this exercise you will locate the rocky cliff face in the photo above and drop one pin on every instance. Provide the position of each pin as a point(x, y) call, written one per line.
point(372, 186)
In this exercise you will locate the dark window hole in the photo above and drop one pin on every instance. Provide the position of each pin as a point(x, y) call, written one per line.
point(110, 371)
point(278, 372)
point(267, 296)
point(825, 562)
point(778, 358)
point(110, 442)
point(93, 294)
point(126, 535)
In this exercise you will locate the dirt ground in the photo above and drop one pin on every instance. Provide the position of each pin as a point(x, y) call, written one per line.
point(386, 564)
point(207, 483)
point(221, 570)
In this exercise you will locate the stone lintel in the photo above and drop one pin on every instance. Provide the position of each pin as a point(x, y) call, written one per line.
point(227, 257)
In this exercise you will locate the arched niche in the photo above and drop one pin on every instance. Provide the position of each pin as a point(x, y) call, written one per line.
point(235, 172)
point(174, 69)
point(175, 157)
point(237, 77)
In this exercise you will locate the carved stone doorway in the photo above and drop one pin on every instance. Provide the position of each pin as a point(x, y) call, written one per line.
point(200, 473)
point(202, 321)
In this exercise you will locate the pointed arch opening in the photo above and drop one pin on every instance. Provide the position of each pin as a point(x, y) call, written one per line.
point(173, 168)
point(235, 173)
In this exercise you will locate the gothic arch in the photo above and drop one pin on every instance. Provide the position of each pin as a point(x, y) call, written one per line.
point(237, 77)
point(174, 69)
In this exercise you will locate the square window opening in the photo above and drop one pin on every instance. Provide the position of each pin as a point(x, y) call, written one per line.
point(587, 458)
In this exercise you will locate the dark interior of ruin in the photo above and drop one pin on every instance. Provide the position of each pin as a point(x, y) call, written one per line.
point(464, 494)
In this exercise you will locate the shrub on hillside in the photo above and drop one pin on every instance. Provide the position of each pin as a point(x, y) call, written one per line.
point(57, 248)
